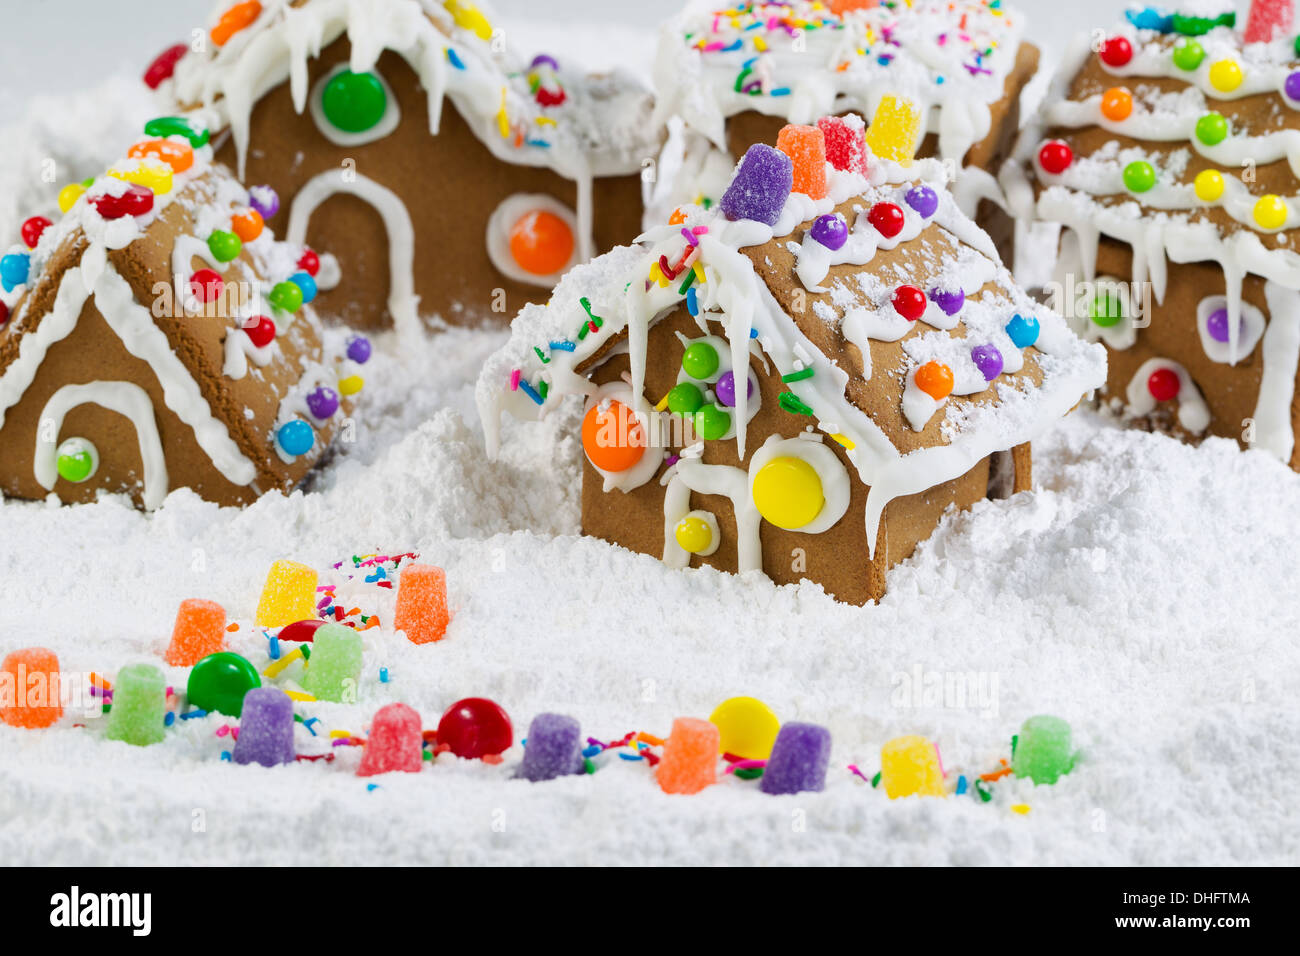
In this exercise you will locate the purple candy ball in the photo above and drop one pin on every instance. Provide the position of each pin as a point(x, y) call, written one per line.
point(359, 349)
point(760, 186)
point(546, 59)
point(1217, 325)
point(988, 360)
point(950, 302)
point(1292, 86)
point(725, 389)
point(831, 231)
point(264, 200)
point(923, 200)
point(323, 402)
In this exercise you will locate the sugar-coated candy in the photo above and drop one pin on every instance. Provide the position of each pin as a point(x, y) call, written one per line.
point(395, 744)
point(553, 748)
point(806, 147)
point(1044, 751)
point(1211, 128)
point(895, 130)
point(475, 727)
point(300, 631)
point(1163, 384)
point(265, 200)
point(469, 17)
point(260, 329)
point(295, 437)
point(725, 388)
point(265, 728)
point(286, 296)
point(746, 727)
point(335, 665)
point(219, 682)
point(135, 201)
point(206, 285)
point(949, 301)
point(164, 65)
point(359, 349)
point(322, 402)
point(909, 766)
point(831, 231)
point(800, 756)
point(760, 186)
point(152, 174)
point(166, 126)
point(200, 630)
point(690, 759)
point(923, 200)
point(935, 379)
point(29, 688)
point(1209, 185)
point(139, 706)
point(1267, 20)
point(612, 437)
point(844, 142)
point(988, 359)
point(421, 611)
point(32, 229)
point(887, 218)
point(14, 270)
point(289, 594)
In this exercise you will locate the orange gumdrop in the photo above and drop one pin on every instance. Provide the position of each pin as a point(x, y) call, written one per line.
point(1116, 103)
point(421, 611)
point(235, 19)
point(806, 147)
point(247, 225)
point(935, 379)
point(29, 688)
point(690, 760)
point(840, 7)
point(612, 438)
point(179, 156)
point(200, 630)
point(541, 242)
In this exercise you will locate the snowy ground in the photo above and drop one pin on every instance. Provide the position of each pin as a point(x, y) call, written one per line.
point(1144, 591)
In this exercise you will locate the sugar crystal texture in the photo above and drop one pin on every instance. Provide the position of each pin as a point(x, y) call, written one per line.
point(335, 664)
point(894, 130)
point(554, 748)
point(422, 603)
point(265, 728)
point(909, 766)
point(690, 761)
point(806, 148)
point(759, 187)
point(1043, 749)
point(29, 688)
point(289, 594)
point(139, 705)
point(844, 142)
point(200, 630)
point(395, 742)
point(799, 759)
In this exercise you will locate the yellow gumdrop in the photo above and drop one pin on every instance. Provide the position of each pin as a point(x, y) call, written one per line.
point(151, 174)
point(289, 594)
point(1271, 212)
point(470, 18)
point(69, 194)
point(909, 766)
point(1225, 76)
point(1209, 185)
point(746, 727)
point(694, 534)
point(351, 384)
point(788, 492)
point(895, 129)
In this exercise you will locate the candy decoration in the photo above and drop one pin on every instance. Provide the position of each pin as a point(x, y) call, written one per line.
point(265, 200)
point(152, 174)
point(335, 665)
point(469, 17)
point(1216, 324)
point(685, 398)
point(1116, 51)
point(29, 688)
point(223, 245)
point(354, 102)
point(200, 630)
point(266, 729)
point(76, 460)
point(1211, 129)
point(32, 229)
point(690, 759)
point(139, 706)
point(1291, 87)
point(923, 200)
point(69, 195)
point(1267, 19)
point(166, 126)
point(725, 388)
point(788, 492)
point(694, 535)
point(1116, 104)
point(1043, 750)
point(322, 402)
point(909, 766)
point(136, 201)
point(895, 130)
point(1163, 385)
point(541, 243)
point(1208, 185)
point(247, 225)
point(395, 744)
point(14, 270)
point(306, 284)
point(309, 263)
point(909, 302)
point(1188, 54)
point(219, 682)
point(845, 146)
point(421, 611)
point(887, 218)
point(935, 379)
point(236, 18)
point(1055, 157)
point(300, 631)
point(1194, 26)
point(948, 301)
point(1139, 176)
point(1271, 212)
point(289, 594)
point(1022, 330)
point(1106, 309)
point(351, 384)
point(988, 360)
point(831, 231)
point(700, 360)
point(553, 748)
point(261, 330)
point(177, 156)
point(806, 148)
point(747, 727)
point(4, 314)
point(475, 727)
point(295, 437)
point(286, 296)
point(1225, 75)
point(799, 760)
point(1149, 18)
point(612, 437)
point(761, 184)
point(359, 349)
point(164, 65)
point(712, 423)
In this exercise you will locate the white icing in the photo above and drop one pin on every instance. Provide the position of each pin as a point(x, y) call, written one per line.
point(690, 475)
point(240, 350)
point(1193, 413)
point(1274, 428)
point(387, 123)
point(509, 211)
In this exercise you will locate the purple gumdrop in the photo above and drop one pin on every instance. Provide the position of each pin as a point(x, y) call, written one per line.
point(264, 200)
point(725, 389)
point(799, 759)
point(988, 360)
point(949, 302)
point(1292, 85)
point(923, 199)
point(831, 231)
point(547, 59)
point(359, 349)
point(1216, 323)
point(323, 402)
point(554, 748)
point(760, 186)
point(265, 728)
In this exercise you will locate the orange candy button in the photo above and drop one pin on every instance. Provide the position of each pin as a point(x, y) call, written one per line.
point(541, 242)
point(247, 225)
point(613, 439)
point(1116, 104)
point(179, 156)
point(235, 19)
point(935, 379)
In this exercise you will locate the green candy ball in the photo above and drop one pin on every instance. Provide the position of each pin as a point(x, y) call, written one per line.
point(223, 245)
point(1106, 310)
point(286, 296)
point(1211, 128)
point(1188, 54)
point(77, 460)
point(354, 102)
point(1139, 176)
point(1297, 45)
point(700, 360)
point(219, 683)
point(711, 422)
point(685, 399)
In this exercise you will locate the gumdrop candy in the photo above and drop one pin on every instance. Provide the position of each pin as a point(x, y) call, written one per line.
point(806, 148)
point(799, 760)
point(396, 742)
point(844, 136)
point(1267, 19)
point(265, 728)
point(421, 603)
point(29, 688)
point(475, 727)
point(760, 186)
point(690, 760)
point(139, 705)
point(335, 664)
point(553, 748)
point(200, 630)
point(909, 766)
point(895, 130)
point(746, 727)
point(219, 682)
point(289, 594)
point(1043, 749)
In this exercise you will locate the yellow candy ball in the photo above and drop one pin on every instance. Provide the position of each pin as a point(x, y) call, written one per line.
point(694, 534)
point(1225, 75)
point(788, 492)
point(351, 384)
point(1271, 212)
point(470, 18)
point(150, 174)
point(746, 727)
point(1209, 185)
point(69, 194)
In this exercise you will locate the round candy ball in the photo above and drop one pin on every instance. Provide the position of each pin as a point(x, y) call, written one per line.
point(1188, 54)
point(612, 437)
point(1225, 75)
point(300, 631)
point(1292, 85)
point(725, 388)
point(788, 492)
point(685, 398)
point(1216, 324)
point(295, 437)
point(1116, 51)
point(286, 296)
point(219, 682)
point(693, 534)
point(206, 285)
point(950, 301)
point(831, 231)
point(935, 379)
point(746, 727)
point(988, 360)
point(909, 302)
point(359, 349)
point(711, 423)
point(306, 284)
point(261, 330)
point(700, 360)
point(354, 102)
point(923, 200)
point(76, 460)
point(1163, 385)
point(1022, 330)
point(265, 200)
point(1211, 129)
point(475, 727)
point(351, 384)
point(887, 218)
point(223, 245)
point(1208, 185)
point(1055, 157)
point(323, 402)
point(309, 262)
point(1271, 211)
point(1139, 176)
point(1116, 104)
point(1106, 310)
point(541, 243)
point(14, 270)
point(32, 230)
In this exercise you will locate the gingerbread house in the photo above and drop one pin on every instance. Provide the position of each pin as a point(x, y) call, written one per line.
point(1168, 153)
point(736, 75)
point(446, 174)
point(158, 336)
point(801, 379)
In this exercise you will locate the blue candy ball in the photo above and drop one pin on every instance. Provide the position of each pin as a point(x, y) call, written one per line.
point(14, 269)
point(304, 281)
point(296, 437)
point(1023, 331)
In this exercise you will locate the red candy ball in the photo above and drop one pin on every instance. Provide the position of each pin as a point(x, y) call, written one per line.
point(887, 218)
point(1055, 157)
point(262, 332)
point(136, 201)
point(301, 631)
point(206, 285)
point(1116, 51)
point(909, 301)
point(1164, 385)
point(309, 262)
point(32, 230)
point(163, 66)
point(547, 97)
point(4, 314)
point(475, 727)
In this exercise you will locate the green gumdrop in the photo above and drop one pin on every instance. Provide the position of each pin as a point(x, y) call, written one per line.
point(685, 399)
point(1188, 54)
point(1139, 176)
point(1106, 309)
point(76, 462)
point(223, 245)
point(354, 102)
point(335, 664)
point(700, 360)
point(165, 126)
point(1043, 750)
point(286, 296)
point(1211, 129)
point(139, 706)
point(219, 683)
point(711, 422)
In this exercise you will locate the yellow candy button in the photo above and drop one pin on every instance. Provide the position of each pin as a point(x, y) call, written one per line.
point(351, 384)
point(69, 194)
point(1209, 185)
point(1271, 212)
point(694, 534)
point(746, 727)
point(1225, 75)
point(470, 18)
point(788, 492)
point(149, 173)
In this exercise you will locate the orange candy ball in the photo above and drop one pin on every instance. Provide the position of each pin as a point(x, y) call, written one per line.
point(541, 243)
point(29, 688)
point(613, 438)
point(179, 156)
point(1116, 104)
point(247, 225)
point(235, 19)
point(935, 379)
